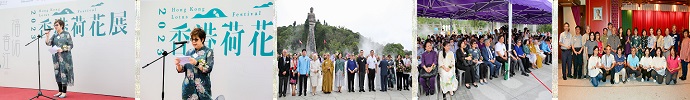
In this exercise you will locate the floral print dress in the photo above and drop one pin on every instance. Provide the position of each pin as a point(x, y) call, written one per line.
point(62, 61)
point(197, 82)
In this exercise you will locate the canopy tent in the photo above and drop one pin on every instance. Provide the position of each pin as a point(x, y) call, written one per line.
point(524, 11)
point(505, 11)
point(531, 11)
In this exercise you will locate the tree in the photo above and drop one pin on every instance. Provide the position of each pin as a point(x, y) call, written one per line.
point(337, 38)
point(544, 28)
point(477, 23)
point(393, 49)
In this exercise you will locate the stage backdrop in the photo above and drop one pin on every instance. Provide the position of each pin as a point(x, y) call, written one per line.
point(103, 35)
point(644, 19)
point(241, 33)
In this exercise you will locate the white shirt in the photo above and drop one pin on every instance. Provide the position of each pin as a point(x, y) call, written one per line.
point(448, 60)
point(372, 62)
point(593, 61)
point(646, 62)
point(538, 49)
point(500, 47)
point(406, 61)
point(660, 62)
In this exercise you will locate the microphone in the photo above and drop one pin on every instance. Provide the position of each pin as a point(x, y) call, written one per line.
point(180, 42)
point(41, 35)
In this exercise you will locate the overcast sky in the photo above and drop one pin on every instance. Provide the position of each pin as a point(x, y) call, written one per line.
point(385, 21)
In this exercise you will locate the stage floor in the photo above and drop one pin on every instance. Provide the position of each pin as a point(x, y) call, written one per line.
point(11, 93)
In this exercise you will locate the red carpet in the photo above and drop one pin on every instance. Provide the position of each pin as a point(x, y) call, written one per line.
point(10, 93)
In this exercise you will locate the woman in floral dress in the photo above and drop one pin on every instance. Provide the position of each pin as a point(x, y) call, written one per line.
point(197, 82)
point(62, 60)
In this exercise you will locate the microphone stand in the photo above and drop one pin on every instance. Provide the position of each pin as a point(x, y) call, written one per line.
point(38, 53)
point(165, 53)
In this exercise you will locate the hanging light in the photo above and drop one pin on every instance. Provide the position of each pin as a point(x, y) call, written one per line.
point(674, 7)
point(656, 7)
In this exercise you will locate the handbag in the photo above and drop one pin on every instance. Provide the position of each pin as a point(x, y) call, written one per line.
point(293, 81)
point(425, 74)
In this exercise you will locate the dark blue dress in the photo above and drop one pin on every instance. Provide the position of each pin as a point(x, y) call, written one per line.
point(197, 82)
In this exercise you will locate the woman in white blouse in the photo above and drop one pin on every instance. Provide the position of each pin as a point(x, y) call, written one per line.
point(646, 65)
point(446, 61)
point(315, 75)
point(659, 66)
point(594, 68)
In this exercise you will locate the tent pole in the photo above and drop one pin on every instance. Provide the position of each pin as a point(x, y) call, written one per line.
point(510, 29)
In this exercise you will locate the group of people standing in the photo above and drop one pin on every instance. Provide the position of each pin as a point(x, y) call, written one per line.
point(624, 54)
point(478, 58)
point(296, 70)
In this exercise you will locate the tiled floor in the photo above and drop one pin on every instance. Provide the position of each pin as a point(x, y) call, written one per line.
point(582, 89)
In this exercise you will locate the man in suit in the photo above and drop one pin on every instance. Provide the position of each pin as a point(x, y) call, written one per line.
point(488, 53)
point(384, 73)
point(283, 70)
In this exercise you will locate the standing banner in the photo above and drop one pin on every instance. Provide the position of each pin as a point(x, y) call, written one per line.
point(241, 33)
point(103, 36)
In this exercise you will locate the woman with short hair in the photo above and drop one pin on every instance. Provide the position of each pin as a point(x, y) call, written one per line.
point(62, 60)
point(315, 72)
point(197, 83)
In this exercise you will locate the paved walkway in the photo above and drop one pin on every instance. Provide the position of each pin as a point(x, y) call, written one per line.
point(519, 87)
point(392, 94)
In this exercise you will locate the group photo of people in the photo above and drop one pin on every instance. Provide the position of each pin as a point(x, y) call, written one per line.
point(338, 72)
point(326, 56)
point(623, 55)
point(635, 49)
point(484, 49)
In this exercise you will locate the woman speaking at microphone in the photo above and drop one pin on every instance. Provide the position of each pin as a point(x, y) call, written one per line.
point(62, 60)
point(197, 82)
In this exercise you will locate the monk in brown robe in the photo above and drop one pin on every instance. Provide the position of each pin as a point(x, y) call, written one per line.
point(327, 71)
